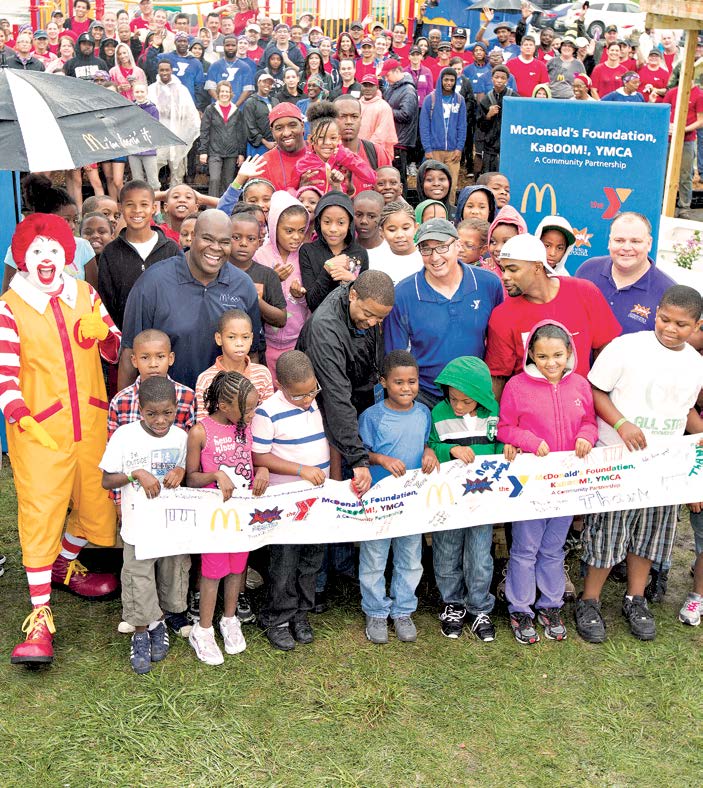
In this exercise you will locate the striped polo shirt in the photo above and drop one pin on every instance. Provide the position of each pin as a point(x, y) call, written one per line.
point(290, 433)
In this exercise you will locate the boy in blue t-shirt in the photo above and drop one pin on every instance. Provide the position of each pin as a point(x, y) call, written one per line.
point(395, 432)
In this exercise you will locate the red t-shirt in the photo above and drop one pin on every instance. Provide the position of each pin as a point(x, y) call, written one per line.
point(466, 56)
point(139, 24)
point(280, 168)
point(579, 305)
point(695, 105)
point(435, 67)
point(255, 54)
point(362, 69)
point(401, 53)
point(669, 61)
point(657, 79)
point(545, 57)
point(527, 75)
point(80, 27)
point(606, 79)
point(242, 19)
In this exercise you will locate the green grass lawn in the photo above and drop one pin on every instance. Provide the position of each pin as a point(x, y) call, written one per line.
point(344, 712)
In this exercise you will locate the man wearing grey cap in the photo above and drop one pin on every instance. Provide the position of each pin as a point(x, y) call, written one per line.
point(442, 311)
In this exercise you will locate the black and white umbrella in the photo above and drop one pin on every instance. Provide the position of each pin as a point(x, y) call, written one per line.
point(52, 122)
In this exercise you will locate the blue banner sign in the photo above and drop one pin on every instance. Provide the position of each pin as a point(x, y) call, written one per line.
point(586, 161)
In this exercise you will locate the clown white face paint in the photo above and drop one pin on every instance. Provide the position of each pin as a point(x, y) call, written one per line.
point(45, 261)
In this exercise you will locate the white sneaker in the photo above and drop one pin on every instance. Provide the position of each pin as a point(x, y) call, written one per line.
point(205, 646)
point(231, 631)
point(412, 170)
point(691, 610)
point(124, 628)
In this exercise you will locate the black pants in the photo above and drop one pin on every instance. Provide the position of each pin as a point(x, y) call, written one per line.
point(491, 161)
point(292, 574)
point(400, 162)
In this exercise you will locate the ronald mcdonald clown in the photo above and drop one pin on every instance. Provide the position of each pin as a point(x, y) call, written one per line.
point(53, 330)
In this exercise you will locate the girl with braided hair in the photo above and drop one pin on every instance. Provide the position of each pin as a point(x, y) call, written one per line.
point(219, 456)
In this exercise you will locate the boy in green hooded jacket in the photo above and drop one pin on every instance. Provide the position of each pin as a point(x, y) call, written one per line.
point(464, 424)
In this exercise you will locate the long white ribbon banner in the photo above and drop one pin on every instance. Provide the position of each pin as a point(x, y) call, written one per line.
point(490, 490)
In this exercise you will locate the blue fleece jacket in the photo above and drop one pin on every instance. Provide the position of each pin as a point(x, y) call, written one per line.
point(436, 132)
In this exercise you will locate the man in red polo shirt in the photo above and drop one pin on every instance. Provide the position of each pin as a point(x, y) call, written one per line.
point(607, 76)
point(527, 70)
point(653, 77)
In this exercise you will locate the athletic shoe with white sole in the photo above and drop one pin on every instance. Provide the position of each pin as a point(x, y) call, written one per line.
point(203, 642)
point(231, 631)
point(690, 612)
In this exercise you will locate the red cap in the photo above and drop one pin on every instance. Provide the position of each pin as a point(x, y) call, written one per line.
point(389, 65)
point(369, 79)
point(285, 110)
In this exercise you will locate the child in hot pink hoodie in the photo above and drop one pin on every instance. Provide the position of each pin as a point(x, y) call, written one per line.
point(287, 225)
point(548, 407)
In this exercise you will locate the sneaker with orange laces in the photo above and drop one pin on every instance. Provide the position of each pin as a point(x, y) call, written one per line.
point(72, 576)
point(37, 648)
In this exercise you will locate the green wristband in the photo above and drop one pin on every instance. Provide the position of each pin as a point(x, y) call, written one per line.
point(131, 478)
point(619, 423)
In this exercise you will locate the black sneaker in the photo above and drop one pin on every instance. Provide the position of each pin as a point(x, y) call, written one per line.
point(179, 623)
point(618, 574)
point(589, 622)
point(481, 626)
point(550, 618)
point(244, 612)
point(452, 618)
point(639, 617)
point(321, 605)
point(523, 627)
point(302, 632)
point(159, 642)
point(656, 588)
point(140, 653)
point(280, 637)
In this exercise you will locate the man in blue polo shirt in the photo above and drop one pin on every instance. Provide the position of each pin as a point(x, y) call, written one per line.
point(441, 312)
point(186, 67)
point(184, 296)
point(237, 72)
point(628, 277)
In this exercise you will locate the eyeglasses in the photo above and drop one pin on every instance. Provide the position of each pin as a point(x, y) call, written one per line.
point(301, 397)
point(426, 251)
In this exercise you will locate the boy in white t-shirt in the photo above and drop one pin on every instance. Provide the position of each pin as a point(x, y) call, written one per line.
point(289, 439)
point(150, 453)
point(645, 386)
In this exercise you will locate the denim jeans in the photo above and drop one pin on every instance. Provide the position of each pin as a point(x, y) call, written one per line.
point(697, 525)
point(293, 570)
point(699, 152)
point(407, 571)
point(536, 559)
point(342, 560)
point(463, 567)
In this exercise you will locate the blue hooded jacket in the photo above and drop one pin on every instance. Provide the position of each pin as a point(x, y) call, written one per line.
point(463, 197)
point(435, 135)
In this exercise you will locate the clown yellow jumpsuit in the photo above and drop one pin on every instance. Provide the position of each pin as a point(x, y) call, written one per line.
point(48, 373)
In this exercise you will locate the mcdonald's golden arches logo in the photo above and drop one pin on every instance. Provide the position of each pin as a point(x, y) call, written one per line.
point(439, 490)
point(540, 191)
point(224, 515)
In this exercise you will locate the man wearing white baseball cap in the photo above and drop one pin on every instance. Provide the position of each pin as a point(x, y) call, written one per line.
point(536, 294)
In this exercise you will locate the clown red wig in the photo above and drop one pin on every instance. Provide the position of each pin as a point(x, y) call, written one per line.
point(47, 225)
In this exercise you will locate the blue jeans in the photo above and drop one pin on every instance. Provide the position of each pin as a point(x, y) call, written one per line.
point(341, 556)
point(463, 567)
point(407, 571)
point(699, 152)
point(697, 525)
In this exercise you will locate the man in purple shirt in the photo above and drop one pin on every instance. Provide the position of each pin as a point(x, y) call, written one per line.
point(628, 277)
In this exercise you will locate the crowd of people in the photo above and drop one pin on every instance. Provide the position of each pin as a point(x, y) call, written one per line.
point(304, 320)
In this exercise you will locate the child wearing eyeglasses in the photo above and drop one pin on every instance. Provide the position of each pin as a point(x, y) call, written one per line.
point(289, 440)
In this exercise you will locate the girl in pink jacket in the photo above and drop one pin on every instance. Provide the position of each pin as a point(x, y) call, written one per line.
point(326, 157)
point(287, 225)
point(548, 407)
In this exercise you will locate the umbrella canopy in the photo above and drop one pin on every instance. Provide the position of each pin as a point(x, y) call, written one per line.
point(52, 122)
point(497, 5)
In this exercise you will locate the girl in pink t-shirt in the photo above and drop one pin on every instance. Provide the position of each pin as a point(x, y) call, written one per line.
point(219, 456)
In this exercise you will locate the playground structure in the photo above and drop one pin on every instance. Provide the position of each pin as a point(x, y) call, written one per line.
point(333, 16)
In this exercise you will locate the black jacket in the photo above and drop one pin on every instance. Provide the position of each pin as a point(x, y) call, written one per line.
point(121, 266)
point(218, 138)
point(347, 363)
point(491, 126)
point(84, 66)
point(313, 256)
point(402, 97)
point(255, 116)
point(31, 64)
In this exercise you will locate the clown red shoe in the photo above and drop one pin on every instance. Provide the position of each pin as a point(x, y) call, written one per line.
point(37, 648)
point(72, 576)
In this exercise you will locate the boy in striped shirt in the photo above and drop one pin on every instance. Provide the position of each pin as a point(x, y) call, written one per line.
point(289, 440)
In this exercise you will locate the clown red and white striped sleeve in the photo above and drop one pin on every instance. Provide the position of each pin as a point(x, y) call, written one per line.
point(110, 346)
point(12, 405)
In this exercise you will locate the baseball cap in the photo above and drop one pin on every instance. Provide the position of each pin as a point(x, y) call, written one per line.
point(479, 45)
point(356, 24)
point(369, 79)
point(655, 51)
point(41, 34)
point(265, 75)
point(366, 42)
point(415, 51)
point(444, 45)
point(437, 230)
point(389, 65)
point(611, 29)
point(253, 26)
point(525, 247)
point(304, 14)
point(459, 32)
point(315, 28)
point(285, 110)
point(108, 40)
point(503, 26)
point(281, 26)
point(569, 42)
point(581, 42)
point(85, 37)
point(377, 24)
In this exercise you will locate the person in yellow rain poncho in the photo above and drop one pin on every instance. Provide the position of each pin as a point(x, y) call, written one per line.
point(53, 330)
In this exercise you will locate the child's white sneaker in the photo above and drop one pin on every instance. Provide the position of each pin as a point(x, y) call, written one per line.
point(231, 631)
point(691, 610)
point(203, 642)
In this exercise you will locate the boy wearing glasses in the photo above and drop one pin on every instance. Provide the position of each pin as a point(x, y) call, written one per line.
point(289, 440)
point(442, 311)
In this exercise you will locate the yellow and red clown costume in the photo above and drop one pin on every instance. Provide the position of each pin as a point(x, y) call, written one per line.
point(53, 330)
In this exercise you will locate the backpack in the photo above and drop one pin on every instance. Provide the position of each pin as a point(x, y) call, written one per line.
point(371, 153)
